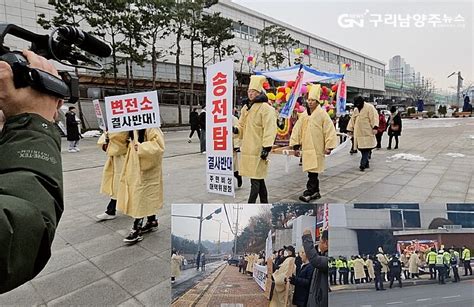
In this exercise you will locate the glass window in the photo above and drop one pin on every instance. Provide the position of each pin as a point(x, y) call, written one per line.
point(407, 219)
point(253, 31)
point(465, 219)
point(386, 206)
point(236, 26)
point(244, 29)
point(460, 207)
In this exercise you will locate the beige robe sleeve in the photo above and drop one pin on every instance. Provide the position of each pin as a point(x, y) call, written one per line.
point(296, 135)
point(269, 127)
point(330, 137)
point(148, 151)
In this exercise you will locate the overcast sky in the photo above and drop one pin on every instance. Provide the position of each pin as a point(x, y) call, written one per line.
point(189, 228)
point(435, 52)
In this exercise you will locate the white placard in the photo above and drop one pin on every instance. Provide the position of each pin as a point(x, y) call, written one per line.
point(219, 147)
point(99, 114)
point(132, 111)
point(260, 275)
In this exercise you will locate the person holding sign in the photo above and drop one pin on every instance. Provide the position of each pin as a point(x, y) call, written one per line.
point(315, 135)
point(115, 145)
point(257, 130)
point(141, 186)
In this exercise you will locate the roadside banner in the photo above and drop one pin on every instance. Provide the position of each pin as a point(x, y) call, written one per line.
point(219, 146)
point(99, 114)
point(260, 275)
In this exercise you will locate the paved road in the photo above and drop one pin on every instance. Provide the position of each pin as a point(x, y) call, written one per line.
point(225, 287)
point(450, 294)
point(190, 277)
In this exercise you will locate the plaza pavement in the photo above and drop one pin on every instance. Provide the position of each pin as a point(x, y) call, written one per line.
point(441, 178)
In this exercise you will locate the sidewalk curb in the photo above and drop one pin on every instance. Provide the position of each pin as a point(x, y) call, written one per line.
point(395, 284)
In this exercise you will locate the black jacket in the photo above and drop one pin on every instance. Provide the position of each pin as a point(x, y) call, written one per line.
point(202, 120)
point(395, 266)
point(194, 119)
point(31, 197)
point(72, 127)
point(397, 120)
point(302, 283)
point(318, 294)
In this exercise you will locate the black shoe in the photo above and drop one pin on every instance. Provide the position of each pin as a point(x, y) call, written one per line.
point(389, 148)
point(308, 198)
point(133, 237)
point(150, 226)
point(383, 289)
point(239, 181)
point(362, 168)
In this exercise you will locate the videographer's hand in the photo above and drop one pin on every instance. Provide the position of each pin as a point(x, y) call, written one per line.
point(15, 101)
point(2, 120)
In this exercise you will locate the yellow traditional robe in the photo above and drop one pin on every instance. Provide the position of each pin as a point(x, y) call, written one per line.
point(141, 184)
point(116, 151)
point(315, 134)
point(362, 124)
point(257, 129)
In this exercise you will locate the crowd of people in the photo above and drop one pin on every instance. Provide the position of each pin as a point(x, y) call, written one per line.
point(313, 136)
point(381, 267)
point(298, 277)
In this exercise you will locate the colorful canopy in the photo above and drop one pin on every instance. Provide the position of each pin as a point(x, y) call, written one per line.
point(290, 74)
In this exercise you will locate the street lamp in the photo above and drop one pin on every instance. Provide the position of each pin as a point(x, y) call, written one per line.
point(219, 241)
point(201, 219)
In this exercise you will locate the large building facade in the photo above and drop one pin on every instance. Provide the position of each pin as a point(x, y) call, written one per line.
point(365, 77)
point(353, 226)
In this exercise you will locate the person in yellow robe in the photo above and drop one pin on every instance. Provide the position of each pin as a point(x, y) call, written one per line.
point(257, 130)
point(176, 261)
point(115, 146)
point(314, 134)
point(141, 185)
point(281, 296)
point(364, 126)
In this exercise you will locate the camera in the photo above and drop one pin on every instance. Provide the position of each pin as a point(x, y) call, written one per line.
point(67, 45)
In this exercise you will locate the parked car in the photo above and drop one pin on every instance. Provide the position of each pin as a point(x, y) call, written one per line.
point(233, 261)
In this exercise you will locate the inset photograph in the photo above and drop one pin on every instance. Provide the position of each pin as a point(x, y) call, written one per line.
point(249, 255)
point(401, 254)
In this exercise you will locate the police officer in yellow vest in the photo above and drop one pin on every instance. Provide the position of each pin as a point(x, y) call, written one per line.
point(466, 259)
point(447, 260)
point(441, 265)
point(257, 130)
point(431, 260)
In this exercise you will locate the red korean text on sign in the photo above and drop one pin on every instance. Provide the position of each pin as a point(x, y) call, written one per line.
point(219, 82)
point(131, 104)
point(219, 110)
point(97, 110)
point(219, 135)
point(146, 104)
point(117, 107)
